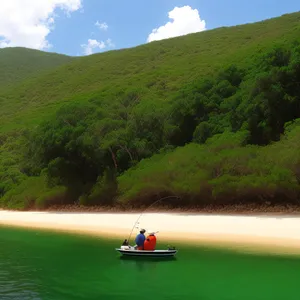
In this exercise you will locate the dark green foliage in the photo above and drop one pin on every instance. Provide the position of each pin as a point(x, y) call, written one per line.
point(63, 147)
point(275, 96)
point(220, 172)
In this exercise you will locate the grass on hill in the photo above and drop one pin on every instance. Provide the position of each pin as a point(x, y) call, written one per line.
point(18, 64)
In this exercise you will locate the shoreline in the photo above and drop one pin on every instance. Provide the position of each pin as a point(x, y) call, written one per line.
point(259, 234)
point(234, 209)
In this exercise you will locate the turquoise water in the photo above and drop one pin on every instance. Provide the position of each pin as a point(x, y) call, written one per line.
point(46, 265)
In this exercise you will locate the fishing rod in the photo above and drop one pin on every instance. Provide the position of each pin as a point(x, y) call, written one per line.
point(137, 221)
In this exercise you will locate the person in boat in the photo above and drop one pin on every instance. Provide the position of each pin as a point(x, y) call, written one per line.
point(140, 239)
point(150, 242)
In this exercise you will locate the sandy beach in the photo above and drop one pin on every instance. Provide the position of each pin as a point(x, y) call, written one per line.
point(269, 234)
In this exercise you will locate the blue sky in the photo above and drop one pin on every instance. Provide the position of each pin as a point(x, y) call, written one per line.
point(129, 23)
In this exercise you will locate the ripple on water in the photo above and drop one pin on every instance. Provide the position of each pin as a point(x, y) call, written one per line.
point(21, 288)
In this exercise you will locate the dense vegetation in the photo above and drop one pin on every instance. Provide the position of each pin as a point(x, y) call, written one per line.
point(212, 118)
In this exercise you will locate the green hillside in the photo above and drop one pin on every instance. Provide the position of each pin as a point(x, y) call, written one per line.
point(160, 68)
point(209, 117)
point(18, 64)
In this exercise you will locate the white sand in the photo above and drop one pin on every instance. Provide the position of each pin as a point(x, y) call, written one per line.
point(251, 233)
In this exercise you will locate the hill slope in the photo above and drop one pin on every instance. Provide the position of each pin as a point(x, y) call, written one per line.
point(161, 68)
point(192, 116)
point(17, 64)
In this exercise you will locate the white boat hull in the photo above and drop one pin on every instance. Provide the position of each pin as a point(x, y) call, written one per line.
point(146, 253)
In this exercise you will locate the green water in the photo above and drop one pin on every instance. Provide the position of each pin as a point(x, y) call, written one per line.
point(44, 265)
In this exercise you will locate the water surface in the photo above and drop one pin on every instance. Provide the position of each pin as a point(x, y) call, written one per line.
point(46, 265)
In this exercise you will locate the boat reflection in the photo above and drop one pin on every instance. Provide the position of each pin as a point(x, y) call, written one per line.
point(144, 263)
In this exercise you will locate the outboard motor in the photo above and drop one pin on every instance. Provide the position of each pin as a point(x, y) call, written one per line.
point(125, 243)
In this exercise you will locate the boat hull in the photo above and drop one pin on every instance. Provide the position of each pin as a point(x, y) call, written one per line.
point(146, 253)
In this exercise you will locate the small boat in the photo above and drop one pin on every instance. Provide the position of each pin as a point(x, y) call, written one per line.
point(131, 251)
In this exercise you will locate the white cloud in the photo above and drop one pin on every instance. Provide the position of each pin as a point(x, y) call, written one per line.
point(91, 45)
point(109, 43)
point(185, 20)
point(101, 26)
point(94, 45)
point(27, 23)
